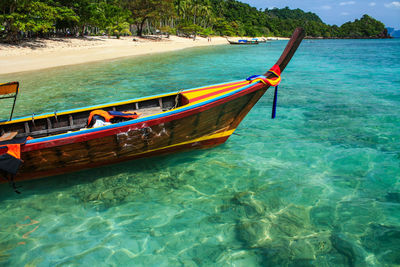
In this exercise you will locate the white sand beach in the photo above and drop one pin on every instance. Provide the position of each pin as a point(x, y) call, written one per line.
point(48, 53)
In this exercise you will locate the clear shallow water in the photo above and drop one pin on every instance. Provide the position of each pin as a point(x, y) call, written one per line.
point(318, 186)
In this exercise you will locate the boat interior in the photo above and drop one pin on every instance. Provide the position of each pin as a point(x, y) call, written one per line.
point(67, 121)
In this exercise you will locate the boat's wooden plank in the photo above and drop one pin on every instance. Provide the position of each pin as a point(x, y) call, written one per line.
point(150, 111)
point(75, 154)
point(41, 160)
point(26, 125)
point(57, 130)
point(8, 136)
point(102, 149)
point(49, 125)
point(130, 143)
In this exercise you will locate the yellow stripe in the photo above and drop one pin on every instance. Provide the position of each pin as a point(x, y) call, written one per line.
point(191, 95)
point(207, 137)
point(271, 82)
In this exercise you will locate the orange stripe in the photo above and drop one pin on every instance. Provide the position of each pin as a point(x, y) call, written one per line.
point(213, 87)
point(214, 93)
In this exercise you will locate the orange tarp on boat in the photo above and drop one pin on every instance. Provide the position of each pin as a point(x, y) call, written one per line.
point(9, 88)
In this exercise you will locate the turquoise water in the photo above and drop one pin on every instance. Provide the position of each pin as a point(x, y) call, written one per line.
point(317, 186)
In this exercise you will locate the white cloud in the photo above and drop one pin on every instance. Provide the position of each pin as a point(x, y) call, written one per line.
point(347, 3)
point(372, 4)
point(344, 14)
point(326, 7)
point(395, 4)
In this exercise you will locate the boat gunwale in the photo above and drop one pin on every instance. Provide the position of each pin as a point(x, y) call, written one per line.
point(140, 122)
point(110, 104)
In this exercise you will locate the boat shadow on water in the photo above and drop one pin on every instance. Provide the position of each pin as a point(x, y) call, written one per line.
point(111, 185)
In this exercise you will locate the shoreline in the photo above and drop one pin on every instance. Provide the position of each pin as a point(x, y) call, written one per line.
point(57, 52)
point(40, 54)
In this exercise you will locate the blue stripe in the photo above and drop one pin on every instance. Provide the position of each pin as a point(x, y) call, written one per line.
point(121, 124)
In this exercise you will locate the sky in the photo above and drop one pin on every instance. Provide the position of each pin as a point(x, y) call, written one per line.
point(340, 11)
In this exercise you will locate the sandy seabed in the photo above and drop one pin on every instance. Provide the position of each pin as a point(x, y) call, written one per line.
point(47, 53)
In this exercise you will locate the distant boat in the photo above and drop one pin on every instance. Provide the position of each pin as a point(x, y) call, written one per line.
point(244, 42)
point(66, 141)
point(262, 40)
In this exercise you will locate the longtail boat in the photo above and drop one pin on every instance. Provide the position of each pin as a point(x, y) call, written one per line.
point(66, 141)
point(244, 42)
point(262, 40)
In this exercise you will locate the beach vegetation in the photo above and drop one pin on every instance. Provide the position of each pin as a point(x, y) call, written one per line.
point(44, 18)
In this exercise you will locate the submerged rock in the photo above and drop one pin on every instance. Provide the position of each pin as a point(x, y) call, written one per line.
point(254, 234)
point(354, 254)
point(384, 242)
point(290, 221)
point(393, 197)
point(323, 216)
point(247, 206)
point(113, 191)
point(301, 250)
point(285, 237)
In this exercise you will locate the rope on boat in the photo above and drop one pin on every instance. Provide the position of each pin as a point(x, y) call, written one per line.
point(276, 71)
point(55, 116)
point(33, 120)
point(176, 98)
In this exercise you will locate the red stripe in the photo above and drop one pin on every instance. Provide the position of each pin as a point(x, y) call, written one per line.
point(136, 126)
point(214, 93)
point(212, 87)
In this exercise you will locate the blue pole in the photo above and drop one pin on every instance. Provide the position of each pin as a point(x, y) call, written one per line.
point(274, 104)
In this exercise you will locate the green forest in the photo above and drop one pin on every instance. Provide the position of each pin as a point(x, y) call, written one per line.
point(21, 19)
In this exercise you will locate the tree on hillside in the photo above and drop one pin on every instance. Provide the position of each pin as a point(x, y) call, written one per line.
point(37, 17)
point(115, 19)
point(143, 10)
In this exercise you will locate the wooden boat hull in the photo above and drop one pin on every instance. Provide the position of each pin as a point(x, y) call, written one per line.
point(201, 127)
